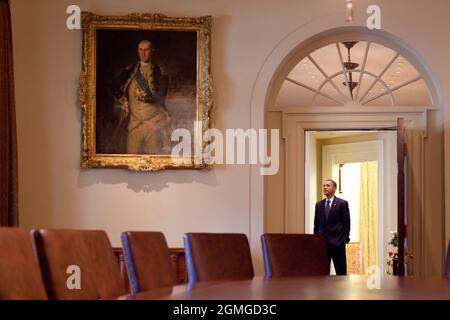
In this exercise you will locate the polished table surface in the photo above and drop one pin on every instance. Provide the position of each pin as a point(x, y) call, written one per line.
point(352, 287)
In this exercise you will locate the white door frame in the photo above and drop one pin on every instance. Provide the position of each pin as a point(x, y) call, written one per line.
point(294, 127)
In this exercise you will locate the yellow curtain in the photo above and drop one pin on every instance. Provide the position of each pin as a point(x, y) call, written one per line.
point(369, 214)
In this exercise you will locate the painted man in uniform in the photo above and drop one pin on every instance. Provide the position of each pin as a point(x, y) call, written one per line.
point(141, 89)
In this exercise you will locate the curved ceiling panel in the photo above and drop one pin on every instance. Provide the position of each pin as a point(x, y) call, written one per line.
point(375, 74)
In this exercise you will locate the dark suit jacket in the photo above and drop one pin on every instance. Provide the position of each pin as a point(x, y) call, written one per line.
point(335, 230)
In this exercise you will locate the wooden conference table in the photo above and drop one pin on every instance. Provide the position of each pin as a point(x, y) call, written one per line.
point(352, 287)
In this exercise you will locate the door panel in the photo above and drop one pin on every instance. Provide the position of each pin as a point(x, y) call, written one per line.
point(401, 195)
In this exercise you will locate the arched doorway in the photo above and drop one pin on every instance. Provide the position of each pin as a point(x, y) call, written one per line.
point(424, 119)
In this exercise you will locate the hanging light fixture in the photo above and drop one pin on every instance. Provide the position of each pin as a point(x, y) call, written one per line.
point(349, 11)
point(349, 66)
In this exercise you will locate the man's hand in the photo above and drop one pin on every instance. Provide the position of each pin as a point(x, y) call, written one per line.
point(141, 95)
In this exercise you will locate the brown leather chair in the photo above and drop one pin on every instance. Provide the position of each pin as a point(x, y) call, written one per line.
point(20, 277)
point(91, 251)
point(447, 263)
point(148, 261)
point(293, 255)
point(217, 256)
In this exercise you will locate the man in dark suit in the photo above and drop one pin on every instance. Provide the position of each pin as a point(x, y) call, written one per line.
point(332, 221)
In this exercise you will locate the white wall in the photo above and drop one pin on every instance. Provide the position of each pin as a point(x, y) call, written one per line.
point(55, 192)
point(249, 37)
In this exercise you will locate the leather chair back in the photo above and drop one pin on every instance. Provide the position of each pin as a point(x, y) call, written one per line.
point(66, 254)
point(294, 255)
point(20, 277)
point(217, 256)
point(148, 261)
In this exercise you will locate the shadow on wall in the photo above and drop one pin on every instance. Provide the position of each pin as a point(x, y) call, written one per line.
point(146, 181)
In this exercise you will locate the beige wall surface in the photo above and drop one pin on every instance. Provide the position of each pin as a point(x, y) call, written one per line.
point(247, 38)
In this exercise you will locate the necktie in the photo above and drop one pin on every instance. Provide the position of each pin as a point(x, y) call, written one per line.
point(327, 209)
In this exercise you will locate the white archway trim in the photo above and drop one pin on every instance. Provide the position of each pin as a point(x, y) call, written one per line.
point(280, 61)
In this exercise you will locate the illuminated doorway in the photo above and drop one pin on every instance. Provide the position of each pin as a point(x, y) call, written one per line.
point(363, 164)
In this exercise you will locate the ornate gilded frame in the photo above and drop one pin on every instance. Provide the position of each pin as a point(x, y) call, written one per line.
point(142, 162)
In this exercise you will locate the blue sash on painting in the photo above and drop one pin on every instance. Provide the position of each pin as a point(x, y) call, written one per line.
point(142, 83)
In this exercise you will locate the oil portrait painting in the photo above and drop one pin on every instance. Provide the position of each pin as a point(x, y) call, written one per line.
point(144, 76)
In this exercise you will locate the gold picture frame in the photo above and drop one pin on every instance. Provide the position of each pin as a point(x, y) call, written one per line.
point(119, 97)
